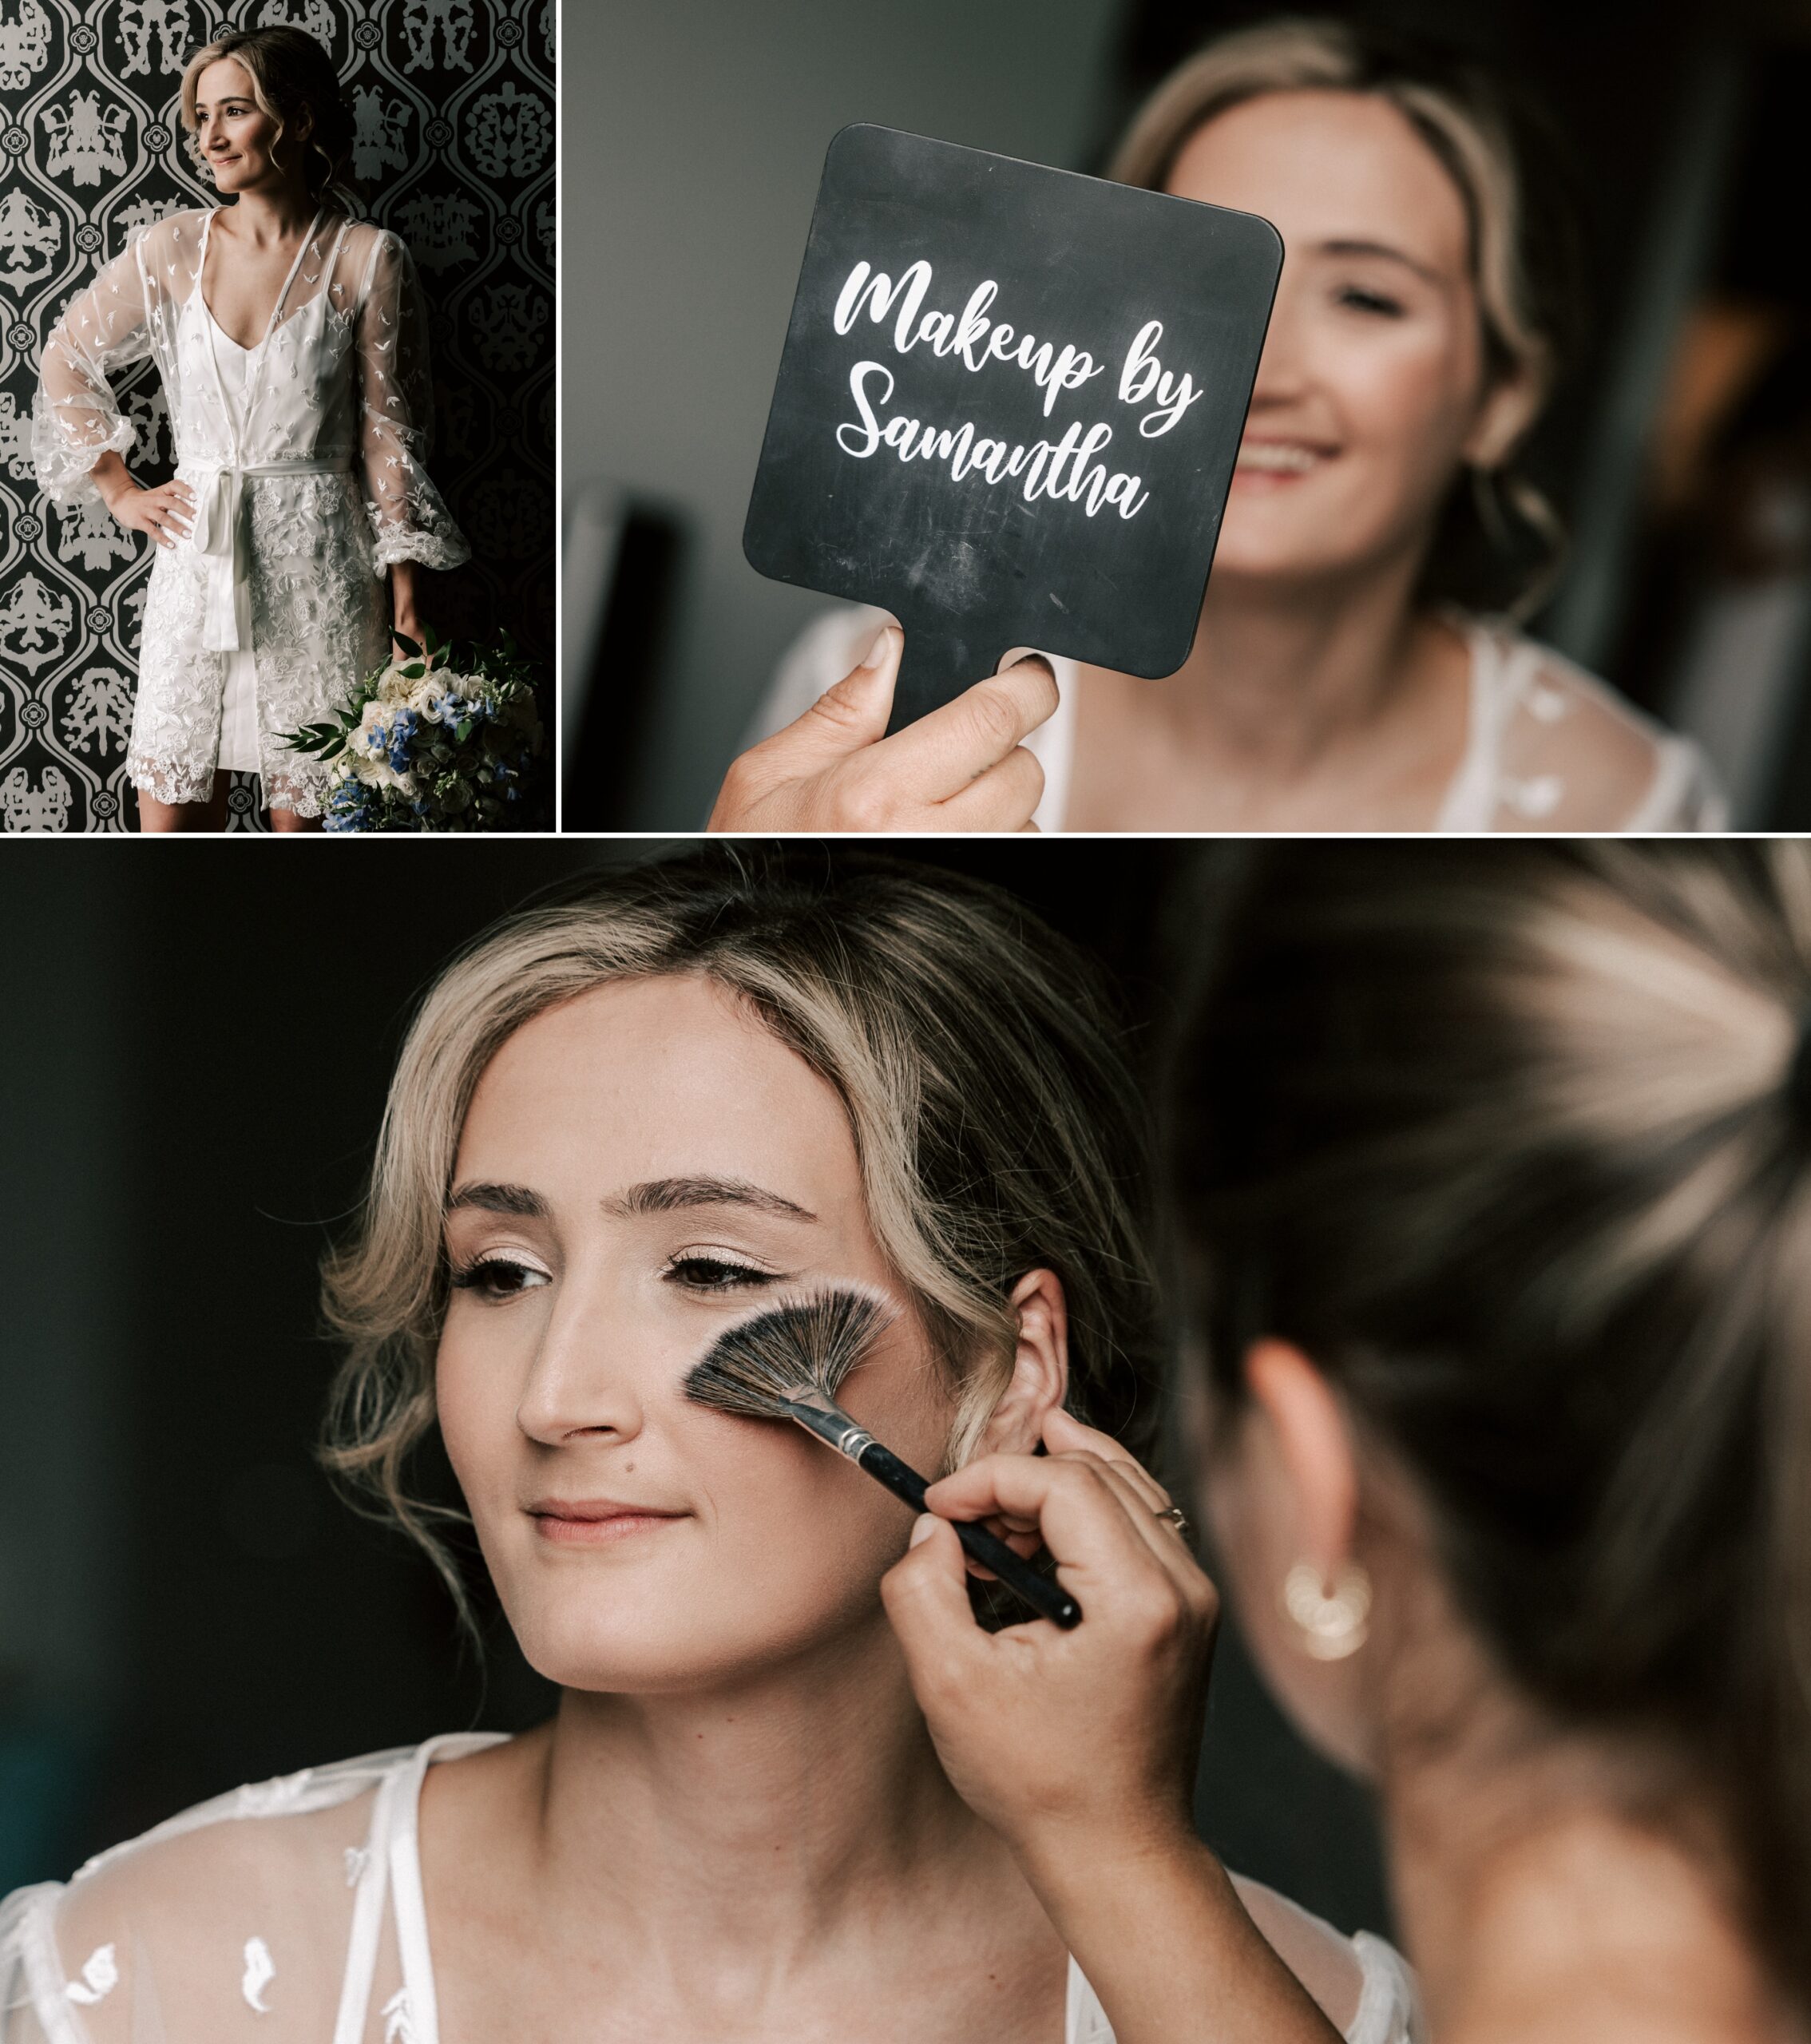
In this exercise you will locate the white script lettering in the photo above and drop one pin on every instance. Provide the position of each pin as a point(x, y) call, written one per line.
point(1041, 466)
point(976, 338)
point(1143, 372)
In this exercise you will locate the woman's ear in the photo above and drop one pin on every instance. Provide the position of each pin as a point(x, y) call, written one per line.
point(1313, 1442)
point(1510, 407)
point(1041, 1367)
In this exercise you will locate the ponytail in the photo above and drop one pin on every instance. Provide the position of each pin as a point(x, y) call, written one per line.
point(1514, 1141)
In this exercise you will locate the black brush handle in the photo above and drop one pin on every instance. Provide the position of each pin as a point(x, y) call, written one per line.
point(1049, 1598)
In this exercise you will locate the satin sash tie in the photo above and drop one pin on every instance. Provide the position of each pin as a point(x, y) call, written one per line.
point(219, 533)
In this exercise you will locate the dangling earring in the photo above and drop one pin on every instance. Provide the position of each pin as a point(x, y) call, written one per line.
point(1333, 1623)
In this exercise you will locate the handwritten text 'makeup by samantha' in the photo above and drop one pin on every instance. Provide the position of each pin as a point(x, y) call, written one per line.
point(1065, 468)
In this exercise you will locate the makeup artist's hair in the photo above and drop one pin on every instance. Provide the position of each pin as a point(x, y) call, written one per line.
point(1499, 543)
point(997, 1124)
point(291, 73)
point(1515, 1142)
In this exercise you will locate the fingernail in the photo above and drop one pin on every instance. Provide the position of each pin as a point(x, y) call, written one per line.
point(925, 1526)
point(881, 648)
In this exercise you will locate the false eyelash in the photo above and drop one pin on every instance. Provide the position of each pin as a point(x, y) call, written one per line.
point(469, 1277)
point(738, 1275)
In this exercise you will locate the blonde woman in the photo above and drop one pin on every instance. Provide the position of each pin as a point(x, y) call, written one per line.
point(619, 1124)
point(292, 342)
point(1358, 665)
point(1491, 1168)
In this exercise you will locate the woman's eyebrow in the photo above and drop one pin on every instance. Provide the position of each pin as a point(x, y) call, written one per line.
point(668, 1195)
point(515, 1199)
point(1349, 247)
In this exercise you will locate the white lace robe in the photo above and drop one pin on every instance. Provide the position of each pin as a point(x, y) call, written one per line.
point(292, 1912)
point(307, 493)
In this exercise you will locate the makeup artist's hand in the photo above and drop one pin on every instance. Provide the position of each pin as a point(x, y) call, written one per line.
point(1080, 1747)
point(961, 768)
point(1065, 1740)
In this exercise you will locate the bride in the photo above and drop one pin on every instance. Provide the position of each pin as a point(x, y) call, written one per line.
point(292, 342)
point(621, 1121)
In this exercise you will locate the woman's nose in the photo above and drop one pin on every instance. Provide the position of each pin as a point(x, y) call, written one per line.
point(582, 1383)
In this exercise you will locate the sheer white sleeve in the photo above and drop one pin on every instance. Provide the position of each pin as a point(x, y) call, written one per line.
point(75, 417)
point(409, 519)
point(215, 1928)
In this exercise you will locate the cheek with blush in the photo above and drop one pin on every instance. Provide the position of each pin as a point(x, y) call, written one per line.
point(780, 1550)
point(1399, 398)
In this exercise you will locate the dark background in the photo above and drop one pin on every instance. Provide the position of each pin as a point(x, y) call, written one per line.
point(1679, 453)
point(194, 1053)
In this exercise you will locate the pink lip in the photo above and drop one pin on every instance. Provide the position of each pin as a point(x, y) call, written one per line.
point(595, 1521)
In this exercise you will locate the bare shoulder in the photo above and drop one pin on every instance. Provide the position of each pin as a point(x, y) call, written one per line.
point(468, 1787)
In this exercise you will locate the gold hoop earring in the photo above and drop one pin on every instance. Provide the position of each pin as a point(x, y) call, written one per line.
point(1333, 1622)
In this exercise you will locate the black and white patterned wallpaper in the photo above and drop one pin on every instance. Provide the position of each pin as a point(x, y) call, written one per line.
point(454, 105)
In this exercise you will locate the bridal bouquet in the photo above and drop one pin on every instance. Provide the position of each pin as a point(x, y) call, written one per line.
point(450, 739)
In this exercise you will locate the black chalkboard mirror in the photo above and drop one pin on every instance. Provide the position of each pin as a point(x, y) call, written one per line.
point(1009, 407)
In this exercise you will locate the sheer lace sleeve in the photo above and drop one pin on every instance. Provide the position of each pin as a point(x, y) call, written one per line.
point(75, 417)
point(235, 1921)
point(1560, 751)
point(18, 2019)
point(408, 516)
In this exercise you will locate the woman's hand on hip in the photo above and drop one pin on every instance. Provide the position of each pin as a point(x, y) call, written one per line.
point(1082, 1741)
point(961, 768)
point(166, 513)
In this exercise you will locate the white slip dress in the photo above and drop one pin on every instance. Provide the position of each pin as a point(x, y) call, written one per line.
point(233, 364)
point(291, 1912)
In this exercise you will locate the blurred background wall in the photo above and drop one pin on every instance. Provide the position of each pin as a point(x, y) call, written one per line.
point(193, 1058)
point(1680, 454)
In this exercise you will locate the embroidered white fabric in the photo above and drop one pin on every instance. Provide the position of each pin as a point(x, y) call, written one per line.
point(1548, 746)
point(339, 392)
point(290, 1912)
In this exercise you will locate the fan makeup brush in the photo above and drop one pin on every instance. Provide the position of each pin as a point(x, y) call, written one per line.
point(789, 1363)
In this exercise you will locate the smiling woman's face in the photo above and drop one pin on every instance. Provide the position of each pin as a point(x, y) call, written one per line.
point(233, 132)
point(1371, 389)
point(641, 1167)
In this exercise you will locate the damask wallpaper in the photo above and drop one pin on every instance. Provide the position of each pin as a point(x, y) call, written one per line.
point(455, 106)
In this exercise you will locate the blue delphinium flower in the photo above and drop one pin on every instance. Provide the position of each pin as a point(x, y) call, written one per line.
point(402, 729)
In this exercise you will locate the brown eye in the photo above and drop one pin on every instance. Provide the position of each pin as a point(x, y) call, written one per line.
point(497, 1277)
point(711, 1274)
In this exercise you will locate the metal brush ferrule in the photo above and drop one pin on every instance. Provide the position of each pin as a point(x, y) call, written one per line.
point(832, 1426)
